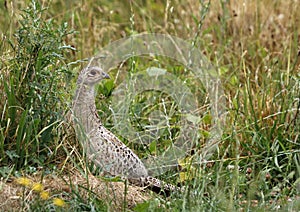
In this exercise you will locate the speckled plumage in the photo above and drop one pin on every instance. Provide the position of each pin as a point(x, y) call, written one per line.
point(102, 146)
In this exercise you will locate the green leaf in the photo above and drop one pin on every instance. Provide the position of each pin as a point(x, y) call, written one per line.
point(193, 119)
point(11, 99)
point(154, 71)
point(152, 147)
point(142, 207)
point(112, 179)
point(108, 87)
point(11, 154)
point(207, 119)
point(205, 133)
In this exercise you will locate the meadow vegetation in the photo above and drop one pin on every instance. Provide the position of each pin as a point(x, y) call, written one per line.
point(254, 45)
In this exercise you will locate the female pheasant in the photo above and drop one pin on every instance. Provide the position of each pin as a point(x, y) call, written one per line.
point(102, 146)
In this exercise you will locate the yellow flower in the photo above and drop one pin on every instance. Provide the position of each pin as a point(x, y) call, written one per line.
point(23, 181)
point(44, 195)
point(38, 187)
point(59, 202)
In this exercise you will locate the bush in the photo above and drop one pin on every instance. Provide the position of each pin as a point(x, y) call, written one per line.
point(34, 85)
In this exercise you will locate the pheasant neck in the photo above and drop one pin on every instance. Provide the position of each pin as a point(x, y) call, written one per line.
point(85, 108)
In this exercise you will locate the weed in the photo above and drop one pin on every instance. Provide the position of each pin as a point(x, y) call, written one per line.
point(34, 83)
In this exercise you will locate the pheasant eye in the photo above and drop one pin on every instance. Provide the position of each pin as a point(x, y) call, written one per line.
point(93, 73)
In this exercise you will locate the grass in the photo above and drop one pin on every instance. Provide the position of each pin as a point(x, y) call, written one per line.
point(255, 48)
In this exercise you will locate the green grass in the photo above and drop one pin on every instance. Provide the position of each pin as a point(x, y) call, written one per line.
point(255, 48)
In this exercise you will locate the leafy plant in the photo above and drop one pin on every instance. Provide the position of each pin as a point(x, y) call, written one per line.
point(34, 88)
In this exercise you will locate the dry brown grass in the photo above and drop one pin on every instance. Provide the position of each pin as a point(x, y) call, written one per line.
point(232, 27)
point(112, 193)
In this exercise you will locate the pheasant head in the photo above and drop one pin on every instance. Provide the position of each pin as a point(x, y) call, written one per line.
point(92, 75)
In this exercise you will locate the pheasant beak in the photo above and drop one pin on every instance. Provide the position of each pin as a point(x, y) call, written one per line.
point(105, 76)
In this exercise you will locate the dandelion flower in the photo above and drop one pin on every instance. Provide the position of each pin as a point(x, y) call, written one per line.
point(44, 195)
point(59, 202)
point(23, 181)
point(38, 187)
